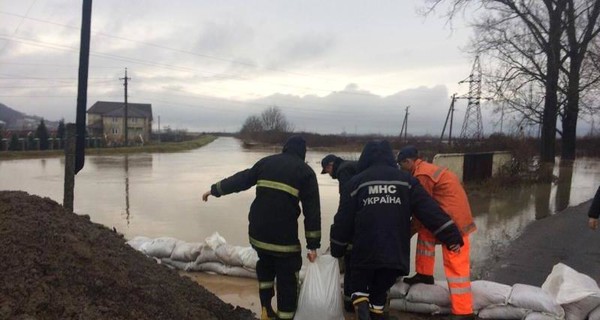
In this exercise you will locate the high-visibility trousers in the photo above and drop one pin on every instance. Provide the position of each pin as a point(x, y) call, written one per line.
point(456, 267)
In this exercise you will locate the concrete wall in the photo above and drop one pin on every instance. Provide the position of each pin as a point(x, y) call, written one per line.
point(455, 161)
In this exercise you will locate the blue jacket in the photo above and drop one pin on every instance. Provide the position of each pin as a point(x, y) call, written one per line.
point(375, 210)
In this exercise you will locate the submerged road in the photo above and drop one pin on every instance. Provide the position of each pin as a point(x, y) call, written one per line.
point(563, 237)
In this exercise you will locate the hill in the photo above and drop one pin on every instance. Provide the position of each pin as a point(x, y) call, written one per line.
point(9, 115)
point(18, 120)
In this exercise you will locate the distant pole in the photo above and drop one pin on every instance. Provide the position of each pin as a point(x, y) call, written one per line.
point(84, 58)
point(405, 125)
point(69, 185)
point(125, 130)
point(159, 129)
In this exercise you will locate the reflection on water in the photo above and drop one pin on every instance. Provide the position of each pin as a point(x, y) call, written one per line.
point(158, 195)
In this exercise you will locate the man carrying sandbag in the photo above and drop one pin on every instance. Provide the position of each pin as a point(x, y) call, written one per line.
point(374, 215)
point(445, 187)
point(282, 181)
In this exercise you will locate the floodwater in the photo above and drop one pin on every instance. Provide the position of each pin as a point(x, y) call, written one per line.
point(157, 195)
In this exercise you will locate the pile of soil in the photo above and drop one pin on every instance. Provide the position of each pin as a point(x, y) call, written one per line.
point(59, 265)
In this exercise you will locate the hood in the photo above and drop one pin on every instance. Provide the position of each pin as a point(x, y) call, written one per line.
point(376, 152)
point(295, 145)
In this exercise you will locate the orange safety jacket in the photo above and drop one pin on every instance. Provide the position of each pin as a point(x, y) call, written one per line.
point(446, 189)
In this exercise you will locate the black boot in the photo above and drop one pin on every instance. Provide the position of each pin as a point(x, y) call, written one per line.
point(419, 278)
point(361, 310)
point(267, 313)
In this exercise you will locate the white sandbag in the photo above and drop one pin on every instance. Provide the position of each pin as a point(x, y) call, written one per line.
point(539, 316)
point(535, 299)
point(595, 314)
point(179, 265)
point(503, 312)
point(320, 294)
point(207, 255)
point(249, 257)
point(229, 255)
point(137, 242)
point(215, 267)
point(489, 293)
point(240, 272)
point(567, 285)
point(214, 240)
point(427, 293)
point(418, 307)
point(159, 247)
point(580, 309)
point(186, 251)
point(399, 290)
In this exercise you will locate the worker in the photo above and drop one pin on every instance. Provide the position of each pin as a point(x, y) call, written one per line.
point(374, 215)
point(445, 188)
point(342, 170)
point(282, 181)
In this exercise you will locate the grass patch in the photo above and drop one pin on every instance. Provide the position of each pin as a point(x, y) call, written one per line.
point(149, 148)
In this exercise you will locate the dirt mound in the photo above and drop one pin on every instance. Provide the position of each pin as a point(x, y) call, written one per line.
point(58, 265)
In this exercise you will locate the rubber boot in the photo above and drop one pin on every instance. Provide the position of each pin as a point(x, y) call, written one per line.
point(361, 310)
point(377, 316)
point(419, 278)
point(267, 313)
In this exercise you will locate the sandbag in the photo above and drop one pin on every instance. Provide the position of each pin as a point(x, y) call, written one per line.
point(503, 312)
point(179, 265)
point(137, 242)
point(320, 294)
point(159, 247)
point(207, 255)
point(488, 293)
point(427, 293)
point(214, 267)
point(595, 314)
point(186, 251)
point(214, 240)
point(539, 316)
point(535, 299)
point(399, 290)
point(418, 307)
point(237, 256)
point(576, 292)
point(249, 257)
point(241, 272)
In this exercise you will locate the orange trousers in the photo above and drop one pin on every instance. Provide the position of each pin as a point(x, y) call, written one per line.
point(456, 267)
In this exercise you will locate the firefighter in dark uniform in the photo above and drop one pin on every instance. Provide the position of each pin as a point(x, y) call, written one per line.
point(282, 181)
point(374, 215)
point(343, 171)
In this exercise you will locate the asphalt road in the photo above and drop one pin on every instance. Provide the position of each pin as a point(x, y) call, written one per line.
point(563, 237)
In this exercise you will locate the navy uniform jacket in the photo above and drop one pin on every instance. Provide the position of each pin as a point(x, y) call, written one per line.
point(282, 181)
point(375, 211)
point(595, 207)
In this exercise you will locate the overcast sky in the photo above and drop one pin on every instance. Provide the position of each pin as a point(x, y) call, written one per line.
point(331, 66)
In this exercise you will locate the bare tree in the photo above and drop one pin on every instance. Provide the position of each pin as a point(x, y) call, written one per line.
point(274, 120)
point(251, 127)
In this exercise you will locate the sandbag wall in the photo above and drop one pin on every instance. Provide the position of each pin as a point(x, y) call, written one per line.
point(213, 255)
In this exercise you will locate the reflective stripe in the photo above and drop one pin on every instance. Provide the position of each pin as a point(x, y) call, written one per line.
point(219, 190)
point(425, 253)
point(265, 285)
point(339, 243)
point(275, 247)
point(370, 183)
point(443, 227)
point(360, 299)
point(437, 172)
point(458, 280)
point(285, 315)
point(376, 311)
point(460, 290)
point(426, 243)
point(313, 234)
point(278, 186)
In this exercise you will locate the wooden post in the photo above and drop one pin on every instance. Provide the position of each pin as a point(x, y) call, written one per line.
point(69, 166)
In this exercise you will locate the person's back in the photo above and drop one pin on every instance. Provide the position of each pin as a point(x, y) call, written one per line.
point(282, 181)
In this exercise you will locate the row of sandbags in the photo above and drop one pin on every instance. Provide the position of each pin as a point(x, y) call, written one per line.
point(213, 255)
point(566, 294)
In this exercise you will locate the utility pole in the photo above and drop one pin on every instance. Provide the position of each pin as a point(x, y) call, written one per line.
point(125, 131)
point(158, 129)
point(450, 116)
point(404, 128)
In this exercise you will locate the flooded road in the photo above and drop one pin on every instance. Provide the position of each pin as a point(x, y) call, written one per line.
point(158, 195)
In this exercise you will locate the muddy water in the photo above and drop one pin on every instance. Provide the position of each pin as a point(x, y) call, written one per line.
point(158, 195)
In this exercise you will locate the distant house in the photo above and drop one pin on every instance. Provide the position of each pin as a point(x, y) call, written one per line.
point(106, 119)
